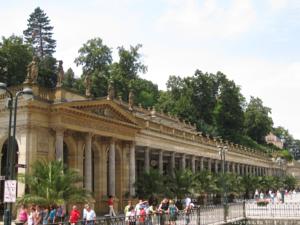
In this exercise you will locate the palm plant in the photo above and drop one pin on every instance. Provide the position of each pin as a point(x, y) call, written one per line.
point(50, 183)
point(150, 184)
point(181, 184)
point(250, 183)
point(205, 184)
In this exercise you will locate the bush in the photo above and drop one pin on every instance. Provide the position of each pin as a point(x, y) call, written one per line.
point(262, 203)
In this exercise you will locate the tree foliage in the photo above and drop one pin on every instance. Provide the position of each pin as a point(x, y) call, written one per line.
point(50, 183)
point(39, 33)
point(258, 123)
point(14, 58)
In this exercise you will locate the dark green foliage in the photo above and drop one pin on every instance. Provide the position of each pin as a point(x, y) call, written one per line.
point(47, 72)
point(258, 123)
point(50, 183)
point(39, 34)
point(229, 112)
point(69, 79)
point(14, 58)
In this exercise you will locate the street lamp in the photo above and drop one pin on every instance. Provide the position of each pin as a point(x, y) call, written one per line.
point(11, 151)
point(222, 153)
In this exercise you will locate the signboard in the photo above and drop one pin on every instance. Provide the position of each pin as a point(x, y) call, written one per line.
point(10, 190)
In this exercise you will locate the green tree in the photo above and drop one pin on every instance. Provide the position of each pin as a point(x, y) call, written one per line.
point(181, 184)
point(95, 58)
point(125, 74)
point(69, 79)
point(150, 184)
point(250, 183)
point(50, 183)
point(47, 72)
point(14, 58)
point(39, 33)
point(229, 109)
point(257, 122)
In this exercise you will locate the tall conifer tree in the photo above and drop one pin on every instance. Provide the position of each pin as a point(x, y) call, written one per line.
point(39, 33)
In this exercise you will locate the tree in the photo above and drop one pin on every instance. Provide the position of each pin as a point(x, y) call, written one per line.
point(125, 74)
point(69, 79)
point(14, 58)
point(95, 58)
point(150, 184)
point(257, 123)
point(229, 109)
point(181, 184)
point(39, 34)
point(50, 183)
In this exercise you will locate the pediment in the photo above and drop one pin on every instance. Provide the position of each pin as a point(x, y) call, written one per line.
point(103, 108)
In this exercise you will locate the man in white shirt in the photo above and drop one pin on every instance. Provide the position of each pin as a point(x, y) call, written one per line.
point(90, 216)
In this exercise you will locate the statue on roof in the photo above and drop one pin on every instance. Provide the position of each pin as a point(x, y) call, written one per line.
point(60, 75)
point(110, 91)
point(131, 100)
point(32, 71)
point(88, 85)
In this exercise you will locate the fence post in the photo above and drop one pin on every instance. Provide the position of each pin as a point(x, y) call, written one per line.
point(198, 216)
point(226, 208)
point(244, 209)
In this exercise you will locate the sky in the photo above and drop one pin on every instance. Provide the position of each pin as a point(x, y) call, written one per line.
point(254, 42)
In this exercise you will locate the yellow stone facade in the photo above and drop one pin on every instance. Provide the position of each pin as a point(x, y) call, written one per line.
point(110, 143)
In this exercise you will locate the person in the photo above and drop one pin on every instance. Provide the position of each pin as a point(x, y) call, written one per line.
point(60, 214)
point(187, 211)
point(162, 209)
point(142, 215)
point(74, 215)
point(90, 216)
point(172, 211)
point(261, 195)
point(45, 215)
point(52, 214)
point(23, 216)
point(256, 195)
point(110, 203)
point(151, 212)
point(84, 214)
point(126, 209)
point(30, 220)
point(38, 216)
point(131, 214)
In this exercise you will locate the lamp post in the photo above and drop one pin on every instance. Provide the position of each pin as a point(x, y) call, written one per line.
point(222, 153)
point(11, 151)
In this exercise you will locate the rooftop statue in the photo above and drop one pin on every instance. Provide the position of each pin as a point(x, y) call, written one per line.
point(60, 75)
point(32, 71)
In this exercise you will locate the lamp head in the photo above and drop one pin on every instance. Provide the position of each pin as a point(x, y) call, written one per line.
point(27, 94)
point(3, 88)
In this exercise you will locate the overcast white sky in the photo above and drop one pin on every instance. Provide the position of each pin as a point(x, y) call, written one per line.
point(254, 42)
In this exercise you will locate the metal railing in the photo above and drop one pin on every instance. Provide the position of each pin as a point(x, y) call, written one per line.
point(231, 214)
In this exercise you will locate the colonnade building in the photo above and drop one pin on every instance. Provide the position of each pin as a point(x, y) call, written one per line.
point(111, 142)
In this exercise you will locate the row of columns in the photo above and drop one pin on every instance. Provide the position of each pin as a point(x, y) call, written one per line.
point(59, 144)
point(238, 168)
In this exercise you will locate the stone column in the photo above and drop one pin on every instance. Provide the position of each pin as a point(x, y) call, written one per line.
point(88, 162)
point(233, 168)
point(201, 164)
point(59, 144)
point(209, 165)
point(238, 169)
point(147, 159)
point(183, 162)
point(193, 164)
point(216, 166)
point(228, 167)
point(112, 168)
point(132, 169)
point(160, 162)
point(173, 163)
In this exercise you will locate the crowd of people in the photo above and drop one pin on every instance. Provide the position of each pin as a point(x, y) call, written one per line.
point(142, 213)
point(274, 196)
point(36, 215)
point(149, 213)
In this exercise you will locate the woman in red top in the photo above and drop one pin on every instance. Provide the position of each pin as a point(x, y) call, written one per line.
point(74, 215)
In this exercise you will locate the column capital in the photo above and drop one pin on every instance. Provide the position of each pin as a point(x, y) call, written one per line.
point(59, 130)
